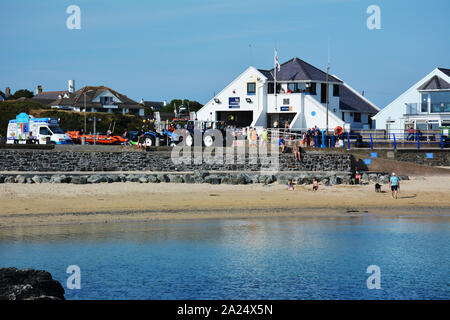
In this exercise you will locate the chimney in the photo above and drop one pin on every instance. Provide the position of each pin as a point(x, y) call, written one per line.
point(71, 86)
point(362, 93)
point(165, 103)
point(7, 92)
point(38, 89)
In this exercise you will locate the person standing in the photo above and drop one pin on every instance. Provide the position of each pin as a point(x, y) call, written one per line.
point(394, 184)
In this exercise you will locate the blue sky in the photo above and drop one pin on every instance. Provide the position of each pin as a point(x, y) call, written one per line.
point(191, 49)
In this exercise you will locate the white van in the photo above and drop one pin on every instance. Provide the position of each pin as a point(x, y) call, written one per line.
point(42, 130)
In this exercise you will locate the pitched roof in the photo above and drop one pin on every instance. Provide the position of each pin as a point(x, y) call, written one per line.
point(435, 83)
point(77, 98)
point(48, 96)
point(298, 70)
point(350, 100)
point(153, 104)
point(3, 95)
point(446, 71)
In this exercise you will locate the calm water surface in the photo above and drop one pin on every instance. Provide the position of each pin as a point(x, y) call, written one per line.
point(273, 258)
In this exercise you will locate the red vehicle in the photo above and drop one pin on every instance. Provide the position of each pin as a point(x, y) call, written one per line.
point(97, 139)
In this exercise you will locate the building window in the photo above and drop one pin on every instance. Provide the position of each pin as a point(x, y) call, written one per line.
point(335, 90)
point(357, 117)
point(323, 93)
point(424, 102)
point(312, 89)
point(285, 101)
point(270, 86)
point(251, 88)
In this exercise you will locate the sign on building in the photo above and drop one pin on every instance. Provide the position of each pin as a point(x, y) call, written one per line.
point(233, 102)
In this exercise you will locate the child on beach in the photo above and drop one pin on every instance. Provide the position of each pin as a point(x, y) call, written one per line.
point(315, 184)
point(290, 185)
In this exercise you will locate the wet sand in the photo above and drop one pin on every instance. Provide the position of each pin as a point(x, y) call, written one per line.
point(51, 204)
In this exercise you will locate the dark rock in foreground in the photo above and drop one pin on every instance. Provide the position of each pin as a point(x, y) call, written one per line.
point(29, 284)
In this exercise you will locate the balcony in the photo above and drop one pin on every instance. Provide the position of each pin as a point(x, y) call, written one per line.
point(414, 109)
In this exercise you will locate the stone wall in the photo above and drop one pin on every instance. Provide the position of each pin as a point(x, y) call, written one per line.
point(71, 161)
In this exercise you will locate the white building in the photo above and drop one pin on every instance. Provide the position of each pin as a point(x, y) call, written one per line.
point(249, 100)
point(424, 106)
point(97, 99)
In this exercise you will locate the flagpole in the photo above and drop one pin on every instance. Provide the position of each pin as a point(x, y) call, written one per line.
point(275, 77)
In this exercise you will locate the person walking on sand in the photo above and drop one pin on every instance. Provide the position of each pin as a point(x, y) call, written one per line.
point(315, 184)
point(290, 185)
point(394, 184)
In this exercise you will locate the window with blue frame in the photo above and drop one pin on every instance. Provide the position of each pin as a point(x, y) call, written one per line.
point(251, 88)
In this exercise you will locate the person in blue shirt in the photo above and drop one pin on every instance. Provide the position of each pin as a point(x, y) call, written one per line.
point(282, 144)
point(394, 184)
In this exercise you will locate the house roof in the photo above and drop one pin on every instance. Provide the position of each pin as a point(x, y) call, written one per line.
point(3, 95)
point(77, 98)
point(48, 96)
point(446, 71)
point(153, 104)
point(435, 83)
point(298, 70)
point(350, 100)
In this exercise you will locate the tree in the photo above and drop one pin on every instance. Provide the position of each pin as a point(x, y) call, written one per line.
point(22, 93)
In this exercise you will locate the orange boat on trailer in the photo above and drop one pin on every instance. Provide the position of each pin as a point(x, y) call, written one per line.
point(99, 138)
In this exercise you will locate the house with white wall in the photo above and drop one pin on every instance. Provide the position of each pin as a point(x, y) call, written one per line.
point(300, 97)
point(424, 106)
point(98, 99)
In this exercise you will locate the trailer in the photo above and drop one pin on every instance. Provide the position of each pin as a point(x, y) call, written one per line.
point(26, 128)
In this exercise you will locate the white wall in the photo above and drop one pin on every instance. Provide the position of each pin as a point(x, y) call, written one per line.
point(106, 93)
point(397, 108)
point(237, 88)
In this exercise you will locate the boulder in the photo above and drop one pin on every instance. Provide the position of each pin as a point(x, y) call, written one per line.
point(132, 178)
point(201, 173)
point(243, 178)
point(335, 180)
point(213, 179)
point(188, 178)
point(270, 179)
point(365, 177)
point(383, 179)
point(403, 177)
point(79, 180)
point(96, 178)
point(21, 179)
point(163, 177)
point(152, 178)
point(29, 284)
point(175, 178)
point(142, 179)
point(10, 179)
point(36, 179)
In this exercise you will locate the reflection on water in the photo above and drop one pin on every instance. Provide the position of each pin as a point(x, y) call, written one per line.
point(264, 258)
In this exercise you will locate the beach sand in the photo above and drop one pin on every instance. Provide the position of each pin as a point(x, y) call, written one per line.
point(51, 204)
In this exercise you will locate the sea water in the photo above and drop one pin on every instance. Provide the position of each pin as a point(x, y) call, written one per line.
point(263, 258)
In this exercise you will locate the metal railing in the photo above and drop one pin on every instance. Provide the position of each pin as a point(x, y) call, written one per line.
point(373, 139)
